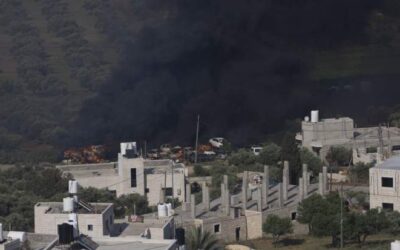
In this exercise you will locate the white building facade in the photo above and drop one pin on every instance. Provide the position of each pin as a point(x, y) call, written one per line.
point(384, 185)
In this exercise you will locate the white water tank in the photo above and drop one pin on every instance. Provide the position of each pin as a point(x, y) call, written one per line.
point(76, 199)
point(73, 217)
point(68, 204)
point(169, 209)
point(21, 236)
point(73, 221)
point(395, 245)
point(1, 232)
point(306, 118)
point(162, 210)
point(127, 145)
point(73, 186)
point(314, 116)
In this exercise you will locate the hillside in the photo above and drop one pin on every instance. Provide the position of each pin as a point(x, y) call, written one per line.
point(72, 71)
point(54, 56)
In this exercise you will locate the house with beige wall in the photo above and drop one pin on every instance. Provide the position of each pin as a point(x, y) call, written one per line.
point(96, 223)
point(384, 185)
point(132, 174)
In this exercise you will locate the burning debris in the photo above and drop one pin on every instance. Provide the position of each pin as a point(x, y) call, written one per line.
point(88, 154)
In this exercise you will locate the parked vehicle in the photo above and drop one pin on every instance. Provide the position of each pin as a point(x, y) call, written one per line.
point(166, 148)
point(217, 142)
point(256, 150)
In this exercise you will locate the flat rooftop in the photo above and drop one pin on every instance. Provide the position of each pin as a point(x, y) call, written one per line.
point(137, 245)
point(138, 228)
point(391, 163)
point(37, 241)
point(57, 208)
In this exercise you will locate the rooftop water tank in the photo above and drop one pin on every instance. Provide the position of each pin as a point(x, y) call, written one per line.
point(73, 186)
point(21, 236)
point(68, 205)
point(65, 233)
point(73, 217)
point(314, 116)
point(1, 232)
point(169, 209)
point(395, 245)
point(162, 210)
point(306, 118)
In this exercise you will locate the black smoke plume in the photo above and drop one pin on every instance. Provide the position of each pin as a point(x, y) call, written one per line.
point(241, 65)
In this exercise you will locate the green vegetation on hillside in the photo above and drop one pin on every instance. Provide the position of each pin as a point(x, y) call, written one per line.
point(21, 187)
point(101, 71)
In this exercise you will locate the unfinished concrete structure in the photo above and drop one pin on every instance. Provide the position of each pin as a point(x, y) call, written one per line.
point(234, 217)
point(368, 144)
point(384, 186)
point(133, 174)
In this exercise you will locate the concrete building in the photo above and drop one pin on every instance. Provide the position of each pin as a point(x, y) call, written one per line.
point(237, 217)
point(94, 223)
point(368, 144)
point(133, 174)
point(384, 185)
point(93, 226)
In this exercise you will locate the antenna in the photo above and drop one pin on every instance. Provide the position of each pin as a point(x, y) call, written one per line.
point(197, 139)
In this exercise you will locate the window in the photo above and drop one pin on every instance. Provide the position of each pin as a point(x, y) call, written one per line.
point(387, 182)
point(146, 190)
point(168, 191)
point(387, 206)
point(133, 178)
point(90, 227)
point(396, 147)
point(294, 215)
point(372, 150)
point(237, 212)
point(217, 228)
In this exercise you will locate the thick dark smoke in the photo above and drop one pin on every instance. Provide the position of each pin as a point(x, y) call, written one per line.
point(241, 65)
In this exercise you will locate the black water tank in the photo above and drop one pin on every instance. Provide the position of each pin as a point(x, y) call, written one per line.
point(65, 233)
point(180, 236)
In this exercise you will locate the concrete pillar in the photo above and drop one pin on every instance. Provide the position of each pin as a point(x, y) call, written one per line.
point(226, 181)
point(205, 196)
point(162, 194)
point(325, 178)
point(227, 201)
point(193, 206)
point(259, 200)
point(188, 192)
point(309, 178)
point(285, 180)
point(244, 191)
point(321, 184)
point(265, 185)
point(280, 195)
point(305, 181)
point(223, 195)
point(301, 191)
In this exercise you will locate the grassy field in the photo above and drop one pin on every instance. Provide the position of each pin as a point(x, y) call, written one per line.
point(374, 242)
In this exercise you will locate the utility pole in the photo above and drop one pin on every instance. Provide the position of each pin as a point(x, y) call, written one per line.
point(341, 215)
point(381, 141)
point(197, 139)
point(145, 149)
point(172, 179)
point(389, 141)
